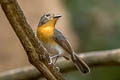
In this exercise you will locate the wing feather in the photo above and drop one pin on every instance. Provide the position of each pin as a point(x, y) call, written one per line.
point(62, 41)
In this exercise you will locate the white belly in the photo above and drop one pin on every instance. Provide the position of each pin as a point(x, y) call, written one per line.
point(54, 49)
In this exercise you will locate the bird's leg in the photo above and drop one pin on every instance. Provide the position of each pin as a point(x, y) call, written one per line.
point(56, 59)
point(58, 69)
point(51, 61)
point(57, 56)
point(52, 57)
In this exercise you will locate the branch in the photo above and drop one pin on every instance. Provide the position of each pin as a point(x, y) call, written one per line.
point(26, 73)
point(37, 54)
point(107, 57)
point(101, 58)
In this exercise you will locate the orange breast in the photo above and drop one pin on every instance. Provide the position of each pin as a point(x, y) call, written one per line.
point(45, 34)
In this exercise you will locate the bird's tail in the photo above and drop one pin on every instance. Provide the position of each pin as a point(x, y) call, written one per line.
point(80, 64)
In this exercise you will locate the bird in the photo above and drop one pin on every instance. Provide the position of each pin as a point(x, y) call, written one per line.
point(56, 43)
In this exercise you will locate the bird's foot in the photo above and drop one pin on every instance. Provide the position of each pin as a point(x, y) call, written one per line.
point(51, 62)
point(58, 69)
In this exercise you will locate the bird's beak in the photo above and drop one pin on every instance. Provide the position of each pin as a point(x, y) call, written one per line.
point(57, 16)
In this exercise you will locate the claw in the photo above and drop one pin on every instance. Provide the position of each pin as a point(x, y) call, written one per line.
point(58, 69)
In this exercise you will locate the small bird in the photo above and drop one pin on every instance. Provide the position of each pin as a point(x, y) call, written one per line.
point(55, 42)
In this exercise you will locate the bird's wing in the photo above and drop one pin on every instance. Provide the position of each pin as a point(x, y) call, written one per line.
point(62, 41)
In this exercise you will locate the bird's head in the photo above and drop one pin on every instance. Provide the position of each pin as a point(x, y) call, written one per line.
point(49, 18)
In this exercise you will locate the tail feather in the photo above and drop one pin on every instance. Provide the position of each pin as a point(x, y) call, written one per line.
point(80, 64)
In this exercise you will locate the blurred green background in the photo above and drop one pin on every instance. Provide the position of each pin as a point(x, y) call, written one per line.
point(97, 23)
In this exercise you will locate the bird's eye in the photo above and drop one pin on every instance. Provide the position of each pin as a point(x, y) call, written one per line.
point(47, 15)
